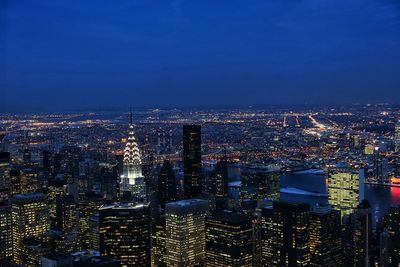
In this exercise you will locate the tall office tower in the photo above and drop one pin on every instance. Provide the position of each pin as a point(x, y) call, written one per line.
point(357, 236)
point(167, 185)
point(381, 174)
point(397, 137)
point(94, 228)
point(218, 184)
point(125, 233)
point(133, 187)
point(287, 227)
point(5, 179)
point(66, 214)
point(15, 176)
point(56, 188)
point(345, 189)
point(229, 239)
point(392, 226)
point(30, 219)
point(185, 232)
point(267, 231)
point(192, 160)
point(88, 207)
point(29, 180)
point(51, 163)
point(158, 243)
point(325, 237)
point(71, 156)
point(5, 232)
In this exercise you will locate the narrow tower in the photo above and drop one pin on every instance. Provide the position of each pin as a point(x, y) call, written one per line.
point(132, 181)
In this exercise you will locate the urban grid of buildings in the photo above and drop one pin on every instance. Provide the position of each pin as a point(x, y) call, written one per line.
point(200, 188)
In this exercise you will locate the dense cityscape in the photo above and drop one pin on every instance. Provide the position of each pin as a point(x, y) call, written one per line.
point(249, 186)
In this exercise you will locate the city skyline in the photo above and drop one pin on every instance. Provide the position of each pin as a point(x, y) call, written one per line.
point(59, 56)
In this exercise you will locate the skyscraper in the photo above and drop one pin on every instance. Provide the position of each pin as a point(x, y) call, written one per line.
point(397, 137)
point(133, 187)
point(66, 213)
point(185, 232)
point(30, 220)
point(167, 186)
point(124, 233)
point(357, 237)
point(192, 160)
point(286, 226)
point(5, 232)
point(88, 207)
point(158, 243)
point(5, 180)
point(218, 184)
point(229, 239)
point(325, 237)
point(345, 189)
point(392, 226)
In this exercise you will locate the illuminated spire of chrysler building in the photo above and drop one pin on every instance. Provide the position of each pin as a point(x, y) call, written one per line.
point(132, 180)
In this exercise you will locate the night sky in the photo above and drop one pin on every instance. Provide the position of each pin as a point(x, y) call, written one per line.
point(74, 54)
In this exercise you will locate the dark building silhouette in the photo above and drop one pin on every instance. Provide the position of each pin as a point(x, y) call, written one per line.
point(192, 160)
point(158, 242)
point(124, 232)
point(392, 226)
point(167, 186)
point(229, 239)
point(66, 213)
point(218, 184)
point(286, 230)
point(357, 236)
point(325, 237)
point(5, 232)
point(5, 179)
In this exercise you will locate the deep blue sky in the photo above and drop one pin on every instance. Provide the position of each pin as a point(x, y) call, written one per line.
point(102, 53)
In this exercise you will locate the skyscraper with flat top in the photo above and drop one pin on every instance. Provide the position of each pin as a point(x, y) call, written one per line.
point(124, 233)
point(286, 227)
point(185, 232)
point(345, 189)
point(5, 180)
point(229, 239)
point(192, 160)
point(167, 185)
point(325, 236)
point(30, 220)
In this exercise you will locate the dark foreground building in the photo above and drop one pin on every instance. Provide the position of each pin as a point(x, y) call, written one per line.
point(124, 233)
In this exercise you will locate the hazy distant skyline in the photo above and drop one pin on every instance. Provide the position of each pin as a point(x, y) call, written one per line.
point(58, 55)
